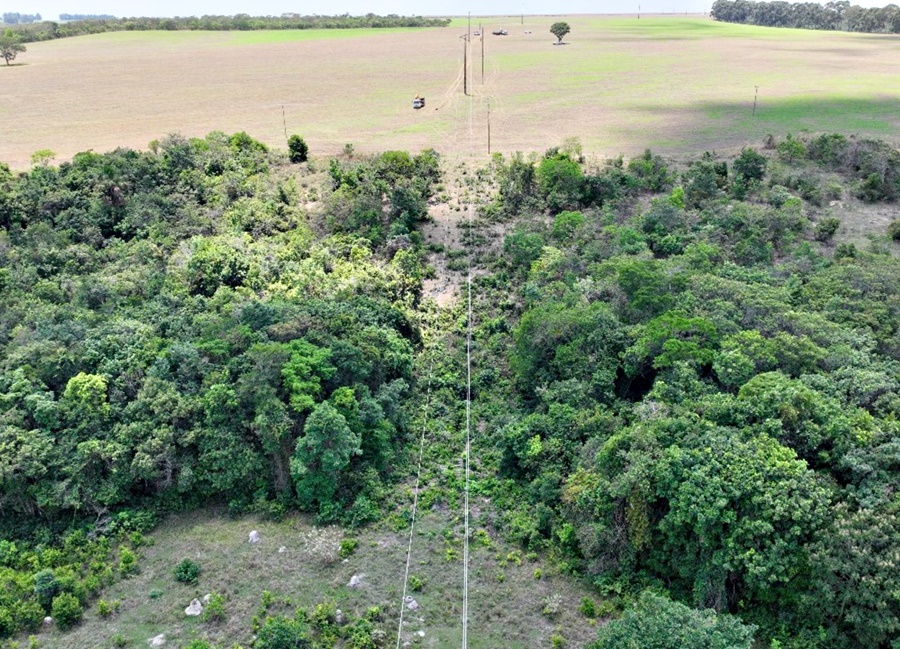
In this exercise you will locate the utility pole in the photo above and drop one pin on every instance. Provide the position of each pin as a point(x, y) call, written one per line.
point(489, 124)
point(639, 12)
point(283, 121)
point(481, 31)
point(755, 96)
point(465, 65)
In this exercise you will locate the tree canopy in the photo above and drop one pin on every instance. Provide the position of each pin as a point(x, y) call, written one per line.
point(560, 29)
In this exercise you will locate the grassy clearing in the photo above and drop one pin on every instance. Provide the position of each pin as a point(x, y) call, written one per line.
point(506, 600)
point(678, 84)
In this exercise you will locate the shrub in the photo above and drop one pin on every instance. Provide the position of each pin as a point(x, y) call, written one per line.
point(416, 583)
point(348, 547)
point(658, 622)
point(893, 230)
point(8, 626)
point(557, 641)
point(652, 172)
point(552, 605)
point(66, 610)
point(128, 564)
point(750, 165)
point(283, 633)
point(791, 149)
point(826, 228)
point(588, 608)
point(198, 644)
point(214, 612)
point(46, 586)
point(845, 251)
point(187, 572)
point(105, 609)
point(298, 150)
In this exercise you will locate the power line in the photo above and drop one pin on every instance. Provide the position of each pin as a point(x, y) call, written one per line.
point(465, 619)
point(412, 524)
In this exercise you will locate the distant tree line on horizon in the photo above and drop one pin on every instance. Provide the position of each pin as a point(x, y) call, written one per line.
point(834, 16)
point(86, 17)
point(13, 18)
point(50, 30)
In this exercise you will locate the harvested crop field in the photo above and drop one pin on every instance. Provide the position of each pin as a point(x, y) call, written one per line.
point(676, 84)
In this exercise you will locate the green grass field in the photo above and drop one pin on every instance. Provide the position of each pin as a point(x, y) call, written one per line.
point(680, 85)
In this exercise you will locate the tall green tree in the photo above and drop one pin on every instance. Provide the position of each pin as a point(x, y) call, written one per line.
point(659, 623)
point(559, 30)
point(10, 46)
point(322, 454)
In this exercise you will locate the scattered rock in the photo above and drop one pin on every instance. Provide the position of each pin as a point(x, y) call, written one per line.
point(339, 616)
point(838, 204)
point(254, 537)
point(410, 603)
point(421, 633)
point(282, 550)
point(196, 608)
point(157, 641)
point(206, 598)
point(346, 561)
point(355, 581)
point(48, 621)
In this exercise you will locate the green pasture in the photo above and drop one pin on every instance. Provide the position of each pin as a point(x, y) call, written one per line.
point(677, 84)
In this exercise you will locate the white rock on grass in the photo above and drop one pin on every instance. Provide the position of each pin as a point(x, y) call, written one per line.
point(254, 537)
point(339, 616)
point(157, 641)
point(48, 621)
point(411, 604)
point(206, 598)
point(195, 609)
point(282, 550)
point(355, 581)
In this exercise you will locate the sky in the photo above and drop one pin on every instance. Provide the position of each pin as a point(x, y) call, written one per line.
point(50, 9)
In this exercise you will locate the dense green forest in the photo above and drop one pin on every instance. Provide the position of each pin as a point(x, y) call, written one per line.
point(684, 392)
point(839, 15)
point(49, 30)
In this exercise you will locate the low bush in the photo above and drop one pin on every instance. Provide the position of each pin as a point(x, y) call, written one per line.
point(893, 230)
point(826, 228)
point(187, 572)
point(66, 611)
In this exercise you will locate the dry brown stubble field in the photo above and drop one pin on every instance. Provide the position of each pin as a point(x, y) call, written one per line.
point(676, 84)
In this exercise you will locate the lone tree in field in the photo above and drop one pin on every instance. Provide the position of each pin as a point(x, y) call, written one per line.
point(560, 30)
point(10, 46)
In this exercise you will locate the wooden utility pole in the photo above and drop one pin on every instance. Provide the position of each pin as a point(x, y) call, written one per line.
point(283, 121)
point(481, 31)
point(755, 96)
point(465, 65)
point(489, 124)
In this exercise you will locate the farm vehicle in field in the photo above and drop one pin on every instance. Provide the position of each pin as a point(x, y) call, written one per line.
point(418, 102)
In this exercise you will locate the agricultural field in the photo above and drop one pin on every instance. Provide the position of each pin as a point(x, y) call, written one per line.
point(677, 84)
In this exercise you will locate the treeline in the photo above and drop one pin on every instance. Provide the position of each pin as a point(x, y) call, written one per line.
point(13, 18)
point(86, 17)
point(841, 15)
point(241, 22)
point(174, 330)
point(700, 392)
